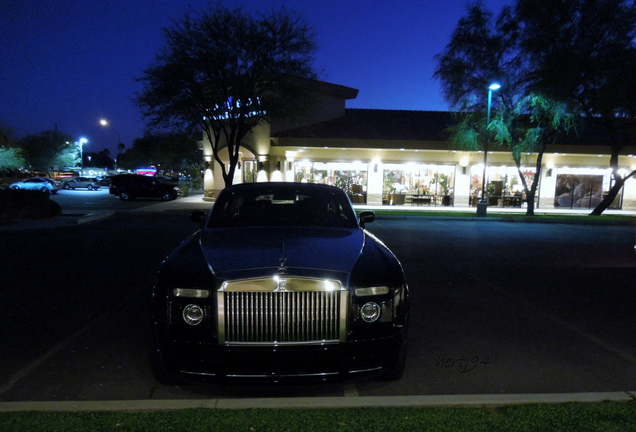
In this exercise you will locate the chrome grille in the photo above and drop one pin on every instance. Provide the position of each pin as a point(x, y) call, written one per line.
point(259, 311)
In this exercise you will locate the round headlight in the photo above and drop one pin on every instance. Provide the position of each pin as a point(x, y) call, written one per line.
point(192, 314)
point(370, 312)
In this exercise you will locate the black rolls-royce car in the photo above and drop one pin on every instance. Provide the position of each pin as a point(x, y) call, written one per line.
point(282, 283)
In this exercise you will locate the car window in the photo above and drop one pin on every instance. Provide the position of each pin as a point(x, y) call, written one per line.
point(315, 207)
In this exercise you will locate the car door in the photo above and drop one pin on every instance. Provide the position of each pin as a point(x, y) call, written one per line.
point(153, 188)
point(32, 184)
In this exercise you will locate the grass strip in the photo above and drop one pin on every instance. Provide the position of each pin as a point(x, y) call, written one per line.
point(580, 417)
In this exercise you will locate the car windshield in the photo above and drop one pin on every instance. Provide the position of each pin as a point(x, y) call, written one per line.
point(283, 205)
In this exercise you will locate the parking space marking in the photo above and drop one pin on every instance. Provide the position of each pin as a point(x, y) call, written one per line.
point(590, 337)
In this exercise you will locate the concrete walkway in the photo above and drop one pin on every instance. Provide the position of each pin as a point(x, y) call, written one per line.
point(439, 401)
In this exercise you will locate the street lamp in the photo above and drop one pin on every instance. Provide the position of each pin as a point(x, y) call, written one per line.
point(82, 141)
point(105, 123)
point(482, 205)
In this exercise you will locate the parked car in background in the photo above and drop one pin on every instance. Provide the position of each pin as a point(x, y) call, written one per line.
point(103, 181)
point(81, 182)
point(57, 185)
point(34, 183)
point(281, 284)
point(133, 186)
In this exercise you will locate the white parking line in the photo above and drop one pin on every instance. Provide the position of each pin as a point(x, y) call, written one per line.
point(25, 371)
point(590, 337)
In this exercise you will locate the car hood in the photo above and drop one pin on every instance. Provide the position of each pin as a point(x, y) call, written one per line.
point(298, 250)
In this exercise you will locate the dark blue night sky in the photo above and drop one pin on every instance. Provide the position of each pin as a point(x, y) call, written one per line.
point(71, 62)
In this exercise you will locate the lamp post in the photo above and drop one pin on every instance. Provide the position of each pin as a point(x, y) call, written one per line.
point(82, 141)
point(482, 205)
point(105, 123)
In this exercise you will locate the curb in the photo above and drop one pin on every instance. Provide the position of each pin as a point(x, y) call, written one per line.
point(443, 401)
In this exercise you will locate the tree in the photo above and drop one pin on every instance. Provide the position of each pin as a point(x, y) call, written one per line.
point(583, 52)
point(49, 148)
point(100, 159)
point(174, 151)
point(10, 158)
point(226, 72)
point(535, 122)
point(482, 51)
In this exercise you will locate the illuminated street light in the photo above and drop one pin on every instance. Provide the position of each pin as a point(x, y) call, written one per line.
point(482, 205)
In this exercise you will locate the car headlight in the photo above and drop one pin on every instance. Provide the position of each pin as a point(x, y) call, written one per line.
point(193, 314)
point(370, 312)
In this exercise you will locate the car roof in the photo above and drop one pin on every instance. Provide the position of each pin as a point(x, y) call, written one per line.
point(267, 186)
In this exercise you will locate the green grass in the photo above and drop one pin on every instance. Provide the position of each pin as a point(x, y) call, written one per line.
point(580, 417)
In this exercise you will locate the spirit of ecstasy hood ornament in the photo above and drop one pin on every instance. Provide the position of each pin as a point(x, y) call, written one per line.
point(282, 260)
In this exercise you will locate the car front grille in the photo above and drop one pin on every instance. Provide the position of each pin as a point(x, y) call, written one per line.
point(282, 311)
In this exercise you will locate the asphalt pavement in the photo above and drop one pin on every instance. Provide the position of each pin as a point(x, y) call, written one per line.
point(195, 202)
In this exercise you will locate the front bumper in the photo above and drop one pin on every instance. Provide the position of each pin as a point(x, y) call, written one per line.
point(352, 360)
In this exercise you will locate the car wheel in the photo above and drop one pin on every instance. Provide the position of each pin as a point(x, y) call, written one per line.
point(398, 369)
point(125, 196)
point(45, 190)
point(67, 187)
point(90, 187)
point(15, 187)
point(167, 196)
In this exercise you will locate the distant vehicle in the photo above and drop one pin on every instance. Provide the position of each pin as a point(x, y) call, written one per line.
point(103, 181)
point(57, 185)
point(81, 182)
point(34, 183)
point(133, 186)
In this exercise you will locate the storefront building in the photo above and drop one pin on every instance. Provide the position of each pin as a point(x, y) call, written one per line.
point(392, 157)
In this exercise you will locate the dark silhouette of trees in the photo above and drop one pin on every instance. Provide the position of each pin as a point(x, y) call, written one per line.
point(482, 51)
point(227, 71)
point(49, 148)
point(583, 52)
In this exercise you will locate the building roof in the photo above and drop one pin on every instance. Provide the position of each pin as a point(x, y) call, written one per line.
point(374, 124)
point(364, 125)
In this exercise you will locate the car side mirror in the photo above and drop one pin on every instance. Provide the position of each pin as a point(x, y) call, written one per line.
point(366, 217)
point(198, 216)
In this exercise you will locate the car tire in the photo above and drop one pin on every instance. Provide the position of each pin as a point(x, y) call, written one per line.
point(125, 196)
point(67, 187)
point(167, 196)
point(15, 187)
point(45, 190)
point(90, 187)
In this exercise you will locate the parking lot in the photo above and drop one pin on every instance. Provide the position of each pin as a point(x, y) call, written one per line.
point(498, 307)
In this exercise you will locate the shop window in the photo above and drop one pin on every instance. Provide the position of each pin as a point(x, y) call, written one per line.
point(582, 188)
point(250, 171)
point(504, 187)
point(418, 183)
point(349, 176)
